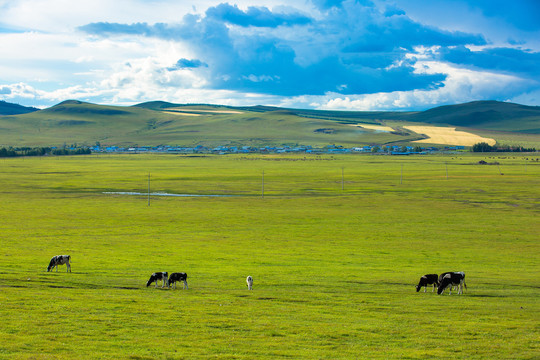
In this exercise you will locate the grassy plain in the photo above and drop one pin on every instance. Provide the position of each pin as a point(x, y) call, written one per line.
point(334, 258)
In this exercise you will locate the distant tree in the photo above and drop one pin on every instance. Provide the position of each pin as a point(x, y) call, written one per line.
point(8, 152)
point(375, 149)
point(482, 147)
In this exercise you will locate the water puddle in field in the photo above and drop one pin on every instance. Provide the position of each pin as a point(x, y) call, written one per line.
point(161, 194)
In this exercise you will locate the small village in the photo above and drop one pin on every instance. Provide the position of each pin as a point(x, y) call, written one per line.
point(307, 149)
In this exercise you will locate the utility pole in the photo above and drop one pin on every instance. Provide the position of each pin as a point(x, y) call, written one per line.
point(262, 194)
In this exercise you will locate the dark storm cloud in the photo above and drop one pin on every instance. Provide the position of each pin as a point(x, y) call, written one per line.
point(356, 48)
point(503, 60)
point(255, 16)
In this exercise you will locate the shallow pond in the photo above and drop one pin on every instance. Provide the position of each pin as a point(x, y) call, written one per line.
point(161, 194)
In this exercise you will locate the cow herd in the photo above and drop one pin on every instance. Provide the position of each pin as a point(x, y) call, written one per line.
point(441, 282)
point(168, 281)
point(163, 276)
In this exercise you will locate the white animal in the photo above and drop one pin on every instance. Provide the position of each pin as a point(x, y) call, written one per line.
point(249, 281)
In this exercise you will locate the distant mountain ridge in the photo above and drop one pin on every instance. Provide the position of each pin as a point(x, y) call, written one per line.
point(160, 122)
point(14, 109)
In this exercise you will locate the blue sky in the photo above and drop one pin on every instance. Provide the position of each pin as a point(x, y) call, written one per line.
point(322, 54)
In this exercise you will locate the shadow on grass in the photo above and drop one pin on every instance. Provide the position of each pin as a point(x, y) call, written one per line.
point(60, 287)
point(514, 285)
point(126, 288)
point(486, 296)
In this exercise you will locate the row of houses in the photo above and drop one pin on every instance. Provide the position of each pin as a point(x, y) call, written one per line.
point(222, 150)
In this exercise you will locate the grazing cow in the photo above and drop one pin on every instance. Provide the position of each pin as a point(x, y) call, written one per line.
point(178, 277)
point(163, 276)
point(249, 281)
point(59, 260)
point(426, 280)
point(443, 275)
point(453, 279)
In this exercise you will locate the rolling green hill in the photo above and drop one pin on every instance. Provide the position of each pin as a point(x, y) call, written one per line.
point(488, 115)
point(491, 115)
point(158, 122)
point(188, 125)
point(14, 109)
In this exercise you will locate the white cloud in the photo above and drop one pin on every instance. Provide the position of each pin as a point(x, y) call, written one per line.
point(461, 85)
point(145, 80)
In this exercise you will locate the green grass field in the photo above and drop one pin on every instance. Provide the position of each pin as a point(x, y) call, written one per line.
point(334, 258)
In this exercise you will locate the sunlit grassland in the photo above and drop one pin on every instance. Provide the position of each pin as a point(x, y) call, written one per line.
point(513, 139)
point(335, 246)
point(86, 124)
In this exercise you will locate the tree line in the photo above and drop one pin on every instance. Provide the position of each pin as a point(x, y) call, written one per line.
point(41, 151)
point(485, 147)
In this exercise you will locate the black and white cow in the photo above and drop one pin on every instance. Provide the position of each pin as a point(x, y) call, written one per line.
point(249, 281)
point(452, 279)
point(163, 276)
point(426, 280)
point(59, 260)
point(178, 277)
point(443, 275)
